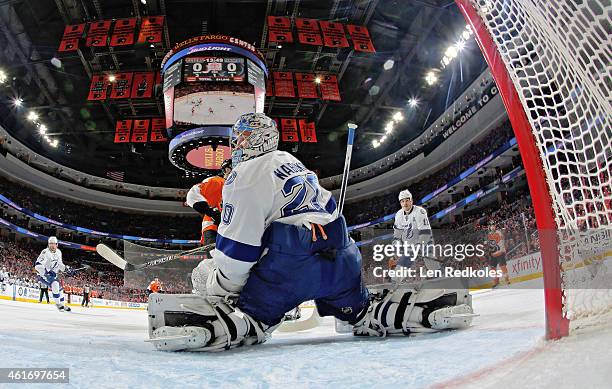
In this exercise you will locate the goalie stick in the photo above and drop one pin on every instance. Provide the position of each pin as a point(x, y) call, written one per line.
point(111, 256)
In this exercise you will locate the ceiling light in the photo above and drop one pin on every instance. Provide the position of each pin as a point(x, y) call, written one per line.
point(466, 35)
point(54, 143)
point(389, 127)
point(451, 52)
point(431, 78)
point(111, 78)
point(413, 102)
point(32, 116)
point(388, 65)
point(398, 117)
point(56, 62)
point(318, 80)
point(375, 143)
point(384, 138)
point(17, 101)
point(143, 2)
point(42, 129)
point(47, 138)
point(3, 77)
point(460, 45)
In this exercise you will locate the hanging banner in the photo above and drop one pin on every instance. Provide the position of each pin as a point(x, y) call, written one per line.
point(333, 34)
point(142, 85)
point(306, 85)
point(361, 38)
point(98, 33)
point(308, 132)
point(140, 130)
point(98, 87)
point(158, 130)
point(151, 29)
point(122, 131)
point(329, 88)
point(123, 34)
point(121, 86)
point(70, 40)
point(309, 32)
point(289, 131)
point(279, 29)
point(283, 84)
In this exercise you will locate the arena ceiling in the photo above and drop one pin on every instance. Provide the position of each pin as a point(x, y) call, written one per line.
point(410, 38)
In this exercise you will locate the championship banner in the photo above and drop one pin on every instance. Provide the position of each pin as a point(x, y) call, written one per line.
point(289, 131)
point(309, 32)
point(279, 29)
point(151, 29)
point(333, 34)
point(361, 38)
point(283, 84)
point(142, 85)
point(140, 130)
point(98, 33)
point(122, 131)
point(329, 88)
point(97, 88)
point(70, 40)
point(308, 132)
point(306, 85)
point(121, 86)
point(123, 34)
point(158, 129)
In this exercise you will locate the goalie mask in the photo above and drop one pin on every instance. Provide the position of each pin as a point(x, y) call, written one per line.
point(253, 134)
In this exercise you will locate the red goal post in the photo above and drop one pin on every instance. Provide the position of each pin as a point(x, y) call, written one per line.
point(510, 44)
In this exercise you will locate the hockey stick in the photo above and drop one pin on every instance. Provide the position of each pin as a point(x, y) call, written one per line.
point(347, 165)
point(111, 256)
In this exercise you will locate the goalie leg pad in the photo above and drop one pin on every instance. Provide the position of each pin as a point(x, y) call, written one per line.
point(404, 311)
point(192, 322)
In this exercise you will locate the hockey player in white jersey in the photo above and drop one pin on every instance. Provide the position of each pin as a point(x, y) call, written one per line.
point(281, 242)
point(411, 227)
point(48, 265)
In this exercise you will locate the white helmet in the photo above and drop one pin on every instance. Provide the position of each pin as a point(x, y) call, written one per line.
point(52, 239)
point(405, 194)
point(253, 134)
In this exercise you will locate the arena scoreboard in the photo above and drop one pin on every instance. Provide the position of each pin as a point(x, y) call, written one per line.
point(214, 69)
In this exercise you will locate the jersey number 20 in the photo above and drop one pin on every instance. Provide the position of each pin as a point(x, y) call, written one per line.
point(304, 193)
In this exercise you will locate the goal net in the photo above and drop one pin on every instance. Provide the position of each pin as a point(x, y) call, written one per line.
point(551, 60)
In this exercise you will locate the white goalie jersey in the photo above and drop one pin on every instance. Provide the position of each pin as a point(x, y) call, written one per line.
point(275, 187)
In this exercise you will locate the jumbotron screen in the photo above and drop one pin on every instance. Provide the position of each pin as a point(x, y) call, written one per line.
point(206, 158)
point(214, 69)
point(212, 103)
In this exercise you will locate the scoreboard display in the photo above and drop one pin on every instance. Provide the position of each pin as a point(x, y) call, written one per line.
point(214, 69)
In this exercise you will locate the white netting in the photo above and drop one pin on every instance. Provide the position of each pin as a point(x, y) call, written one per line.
point(558, 54)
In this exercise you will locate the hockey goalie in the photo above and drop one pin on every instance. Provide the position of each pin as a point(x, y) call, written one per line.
point(281, 242)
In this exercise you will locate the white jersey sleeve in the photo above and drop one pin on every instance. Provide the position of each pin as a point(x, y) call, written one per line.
point(194, 196)
point(275, 187)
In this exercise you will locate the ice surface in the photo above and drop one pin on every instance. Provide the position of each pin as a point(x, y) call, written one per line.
point(504, 348)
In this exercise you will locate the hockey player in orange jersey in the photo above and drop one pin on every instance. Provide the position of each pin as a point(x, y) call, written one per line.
point(205, 198)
